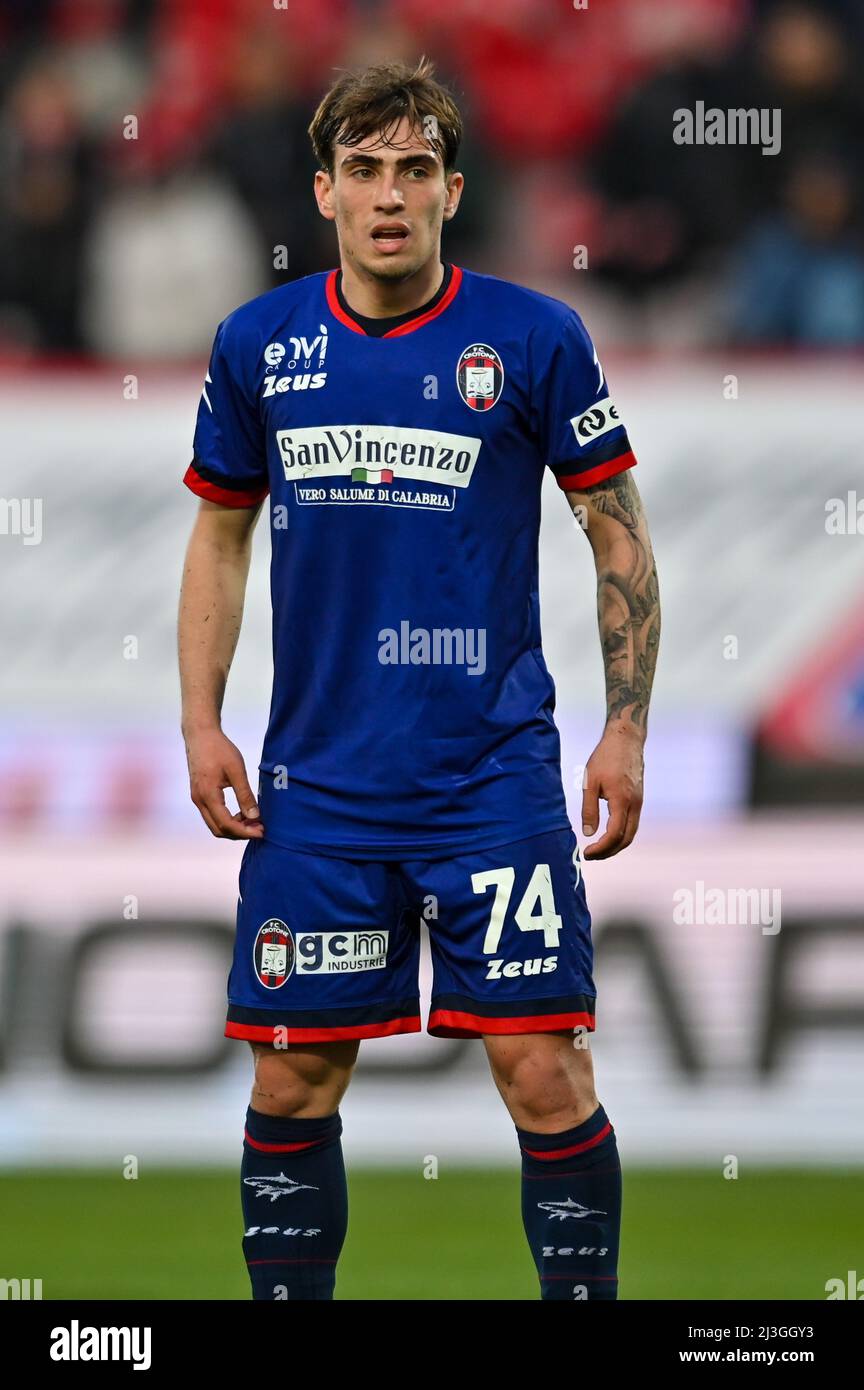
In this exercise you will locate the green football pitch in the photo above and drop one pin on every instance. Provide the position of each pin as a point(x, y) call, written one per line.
point(687, 1233)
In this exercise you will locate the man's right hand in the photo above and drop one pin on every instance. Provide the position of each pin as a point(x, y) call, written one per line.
point(214, 764)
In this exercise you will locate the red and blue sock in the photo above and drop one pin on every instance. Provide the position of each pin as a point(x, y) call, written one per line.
point(571, 1208)
point(295, 1204)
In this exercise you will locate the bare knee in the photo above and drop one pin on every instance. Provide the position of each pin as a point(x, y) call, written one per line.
point(546, 1083)
point(304, 1080)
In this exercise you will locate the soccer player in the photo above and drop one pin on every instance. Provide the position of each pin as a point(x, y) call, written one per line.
point(397, 415)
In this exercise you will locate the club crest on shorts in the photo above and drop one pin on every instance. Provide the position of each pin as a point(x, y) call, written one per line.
point(273, 954)
point(480, 376)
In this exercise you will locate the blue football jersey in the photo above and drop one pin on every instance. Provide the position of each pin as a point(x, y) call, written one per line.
point(412, 709)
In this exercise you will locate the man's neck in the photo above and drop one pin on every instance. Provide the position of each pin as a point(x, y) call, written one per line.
point(381, 299)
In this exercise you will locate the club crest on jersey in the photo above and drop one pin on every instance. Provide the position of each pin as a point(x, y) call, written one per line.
point(480, 376)
point(273, 954)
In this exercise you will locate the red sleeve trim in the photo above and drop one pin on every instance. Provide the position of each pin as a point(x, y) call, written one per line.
point(226, 497)
point(574, 482)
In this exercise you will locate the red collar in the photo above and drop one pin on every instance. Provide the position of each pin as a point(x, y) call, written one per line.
point(339, 313)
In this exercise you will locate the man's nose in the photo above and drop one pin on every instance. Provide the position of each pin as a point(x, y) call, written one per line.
point(389, 193)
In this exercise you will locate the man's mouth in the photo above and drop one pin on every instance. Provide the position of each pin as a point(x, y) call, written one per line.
point(389, 235)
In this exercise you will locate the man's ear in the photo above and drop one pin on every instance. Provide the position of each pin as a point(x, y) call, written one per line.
point(455, 184)
point(323, 189)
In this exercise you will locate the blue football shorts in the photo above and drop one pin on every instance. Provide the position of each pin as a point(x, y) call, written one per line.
point(330, 948)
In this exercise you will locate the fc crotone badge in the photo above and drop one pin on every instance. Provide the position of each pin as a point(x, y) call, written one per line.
point(273, 953)
point(480, 376)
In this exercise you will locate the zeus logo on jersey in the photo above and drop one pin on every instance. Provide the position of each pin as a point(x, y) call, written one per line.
point(274, 386)
point(302, 350)
point(337, 952)
point(509, 969)
point(598, 419)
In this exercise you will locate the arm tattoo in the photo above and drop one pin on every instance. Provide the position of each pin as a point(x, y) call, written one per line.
point(628, 597)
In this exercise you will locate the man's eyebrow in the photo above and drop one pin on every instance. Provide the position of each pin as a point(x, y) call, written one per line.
point(400, 163)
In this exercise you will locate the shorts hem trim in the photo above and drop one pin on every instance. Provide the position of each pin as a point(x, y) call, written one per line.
point(284, 1033)
point(457, 1023)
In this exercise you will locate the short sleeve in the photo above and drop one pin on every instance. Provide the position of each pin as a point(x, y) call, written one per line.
point(229, 463)
point(582, 435)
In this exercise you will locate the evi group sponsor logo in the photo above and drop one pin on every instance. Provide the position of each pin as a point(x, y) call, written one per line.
point(299, 361)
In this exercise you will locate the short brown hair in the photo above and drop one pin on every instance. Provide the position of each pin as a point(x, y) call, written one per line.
point(359, 104)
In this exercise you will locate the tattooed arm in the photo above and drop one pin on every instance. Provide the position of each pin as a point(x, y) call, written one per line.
point(628, 613)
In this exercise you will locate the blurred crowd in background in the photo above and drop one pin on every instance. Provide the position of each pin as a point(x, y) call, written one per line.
point(111, 245)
